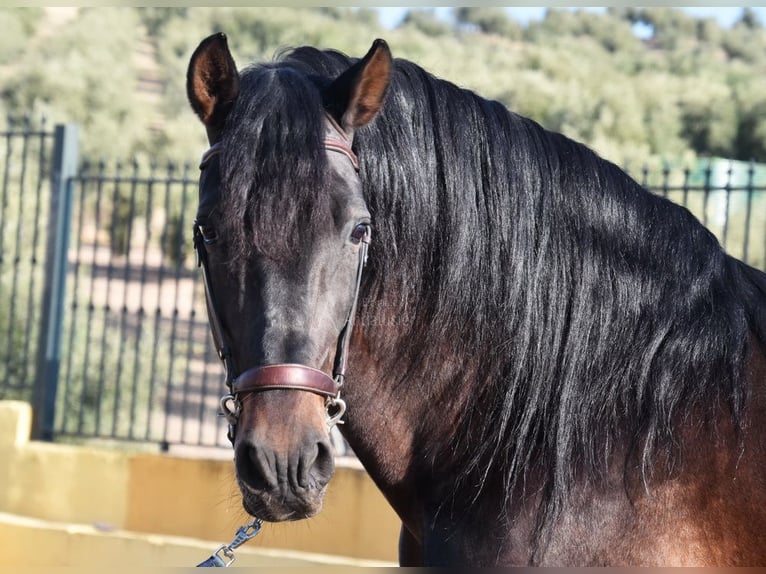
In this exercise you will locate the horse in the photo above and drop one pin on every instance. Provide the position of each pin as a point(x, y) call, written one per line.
point(537, 361)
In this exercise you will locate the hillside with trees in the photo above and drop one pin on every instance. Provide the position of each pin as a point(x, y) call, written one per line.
point(690, 88)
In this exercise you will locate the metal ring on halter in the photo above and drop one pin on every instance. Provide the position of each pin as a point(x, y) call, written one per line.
point(230, 408)
point(340, 408)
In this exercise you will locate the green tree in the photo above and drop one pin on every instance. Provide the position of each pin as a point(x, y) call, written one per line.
point(156, 18)
point(750, 139)
point(427, 22)
point(17, 25)
point(746, 40)
point(692, 86)
point(672, 28)
point(749, 19)
point(91, 82)
point(489, 20)
point(708, 117)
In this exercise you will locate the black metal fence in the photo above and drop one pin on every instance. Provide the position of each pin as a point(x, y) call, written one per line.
point(139, 364)
point(119, 349)
point(25, 197)
point(101, 303)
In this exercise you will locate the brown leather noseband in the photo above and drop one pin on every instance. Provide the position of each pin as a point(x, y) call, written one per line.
point(285, 375)
point(271, 377)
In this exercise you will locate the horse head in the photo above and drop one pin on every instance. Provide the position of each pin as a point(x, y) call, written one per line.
point(282, 230)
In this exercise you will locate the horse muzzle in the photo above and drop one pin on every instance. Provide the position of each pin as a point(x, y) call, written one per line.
point(283, 455)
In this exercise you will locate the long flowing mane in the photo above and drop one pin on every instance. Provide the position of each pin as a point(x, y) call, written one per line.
point(586, 315)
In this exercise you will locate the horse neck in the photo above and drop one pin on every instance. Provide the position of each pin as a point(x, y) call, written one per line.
point(402, 411)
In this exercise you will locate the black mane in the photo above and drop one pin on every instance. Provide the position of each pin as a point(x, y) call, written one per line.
point(589, 315)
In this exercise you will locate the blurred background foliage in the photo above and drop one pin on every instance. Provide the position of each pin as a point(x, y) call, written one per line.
point(687, 88)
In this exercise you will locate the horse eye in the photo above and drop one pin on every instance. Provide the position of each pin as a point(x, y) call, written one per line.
point(208, 234)
point(360, 231)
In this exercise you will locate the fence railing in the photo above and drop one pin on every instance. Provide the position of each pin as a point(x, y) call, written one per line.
point(140, 365)
point(120, 349)
point(135, 360)
point(25, 196)
point(727, 196)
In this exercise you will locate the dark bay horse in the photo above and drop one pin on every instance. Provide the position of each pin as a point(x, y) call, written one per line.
point(543, 363)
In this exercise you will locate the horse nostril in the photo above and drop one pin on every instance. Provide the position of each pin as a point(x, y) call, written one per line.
point(254, 469)
point(317, 465)
point(325, 461)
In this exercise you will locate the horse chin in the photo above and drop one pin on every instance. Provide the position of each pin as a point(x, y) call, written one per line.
point(279, 506)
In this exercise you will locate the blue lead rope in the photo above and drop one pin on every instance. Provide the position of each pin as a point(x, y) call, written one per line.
point(224, 555)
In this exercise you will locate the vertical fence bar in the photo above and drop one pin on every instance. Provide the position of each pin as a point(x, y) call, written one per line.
point(107, 314)
point(70, 406)
point(126, 245)
point(686, 185)
point(85, 388)
point(13, 308)
point(64, 169)
point(748, 209)
point(4, 193)
point(707, 189)
point(665, 180)
point(37, 231)
point(168, 240)
point(141, 319)
point(727, 205)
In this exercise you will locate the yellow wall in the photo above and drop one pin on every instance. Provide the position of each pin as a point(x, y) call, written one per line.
point(163, 494)
point(32, 543)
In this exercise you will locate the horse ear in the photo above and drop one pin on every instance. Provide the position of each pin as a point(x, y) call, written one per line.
point(212, 82)
point(356, 96)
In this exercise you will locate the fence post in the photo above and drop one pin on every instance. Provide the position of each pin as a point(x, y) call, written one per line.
point(63, 169)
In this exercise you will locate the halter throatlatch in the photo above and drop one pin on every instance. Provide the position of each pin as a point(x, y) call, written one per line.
point(286, 375)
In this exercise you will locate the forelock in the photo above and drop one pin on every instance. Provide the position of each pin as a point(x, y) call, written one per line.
point(274, 167)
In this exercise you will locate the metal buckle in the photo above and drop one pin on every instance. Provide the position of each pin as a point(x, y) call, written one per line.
point(245, 533)
point(226, 560)
point(340, 408)
point(230, 408)
point(224, 554)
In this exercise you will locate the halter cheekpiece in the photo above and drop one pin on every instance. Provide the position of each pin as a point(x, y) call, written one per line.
point(285, 375)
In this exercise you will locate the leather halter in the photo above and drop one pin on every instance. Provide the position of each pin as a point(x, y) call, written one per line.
point(285, 375)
